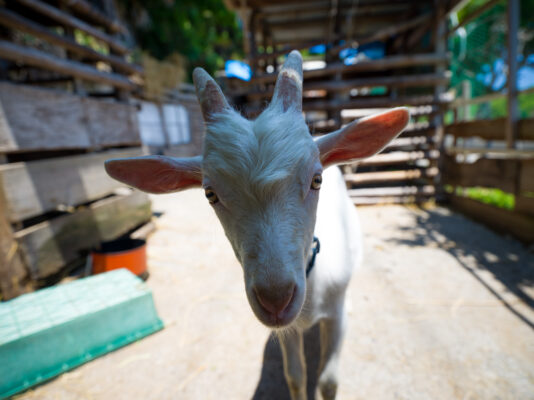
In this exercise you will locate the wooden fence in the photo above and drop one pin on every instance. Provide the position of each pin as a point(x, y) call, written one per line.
point(64, 109)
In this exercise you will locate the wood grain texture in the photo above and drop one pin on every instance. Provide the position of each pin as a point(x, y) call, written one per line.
point(40, 119)
point(517, 224)
point(49, 246)
point(36, 187)
point(490, 129)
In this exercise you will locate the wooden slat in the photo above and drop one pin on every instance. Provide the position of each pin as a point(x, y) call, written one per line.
point(399, 158)
point(13, 273)
point(387, 63)
point(474, 14)
point(370, 102)
point(409, 142)
point(390, 176)
point(490, 129)
point(50, 245)
point(41, 59)
point(384, 200)
point(393, 191)
point(15, 21)
point(526, 179)
point(503, 221)
point(524, 205)
point(86, 9)
point(493, 173)
point(36, 187)
point(38, 119)
point(74, 23)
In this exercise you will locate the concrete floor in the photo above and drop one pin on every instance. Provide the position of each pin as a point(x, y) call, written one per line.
point(441, 309)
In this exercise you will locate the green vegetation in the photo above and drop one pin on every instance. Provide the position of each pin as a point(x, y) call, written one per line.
point(494, 197)
point(203, 31)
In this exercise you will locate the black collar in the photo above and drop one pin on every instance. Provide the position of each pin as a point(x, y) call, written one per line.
point(316, 248)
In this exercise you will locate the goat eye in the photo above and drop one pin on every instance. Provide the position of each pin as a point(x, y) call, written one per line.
point(211, 196)
point(317, 181)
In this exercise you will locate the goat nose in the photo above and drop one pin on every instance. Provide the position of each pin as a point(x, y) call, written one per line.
point(275, 299)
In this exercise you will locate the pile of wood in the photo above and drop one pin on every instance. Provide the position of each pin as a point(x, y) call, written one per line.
point(411, 72)
point(64, 109)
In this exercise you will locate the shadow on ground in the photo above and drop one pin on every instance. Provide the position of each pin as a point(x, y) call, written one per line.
point(272, 384)
point(477, 249)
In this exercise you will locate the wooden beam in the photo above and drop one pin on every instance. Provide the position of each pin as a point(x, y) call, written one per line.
point(85, 8)
point(393, 191)
point(33, 119)
point(50, 245)
point(474, 14)
point(17, 22)
point(399, 157)
point(75, 23)
point(371, 102)
point(490, 129)
point(385, 200)
point(36, 187)
point(41, 59)
point(387, 63)
point(390, 176)
point(513, 103)
point(486, 172)
point(503, 221)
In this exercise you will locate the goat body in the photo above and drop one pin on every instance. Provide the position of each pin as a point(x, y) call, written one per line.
point(263, 179)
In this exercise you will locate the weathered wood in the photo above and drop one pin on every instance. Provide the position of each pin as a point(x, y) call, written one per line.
point(75, 23)
point(393, 191)
point(384, 200)
point(371, 102)
point(37, 187)
point(490, 129)
point(409, 142)
point(503, 221)
point(417, 80)
point(14, 278)
point(390, 176)
point(38, 119)
point(387, 63)
point(41, 59)
point(86, 9)
point(524, 205)
point(493, 173)
point(526, 179)
point(513, 102)
point(50, 245)
point(399, 157)
point(15, 21)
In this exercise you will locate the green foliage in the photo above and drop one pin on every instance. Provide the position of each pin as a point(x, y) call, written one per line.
point(203, 31)
point(494, 197)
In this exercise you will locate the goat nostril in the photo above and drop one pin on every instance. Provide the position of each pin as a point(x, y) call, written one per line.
point(275, 301)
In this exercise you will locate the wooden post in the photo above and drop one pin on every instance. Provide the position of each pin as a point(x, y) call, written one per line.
point(513, 107)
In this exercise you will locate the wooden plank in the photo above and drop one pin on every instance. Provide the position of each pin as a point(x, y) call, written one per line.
point(41, 59)
point(15, 21)
point(524, 205)
point(399, 157)
point(511, 129)
point(526, 179)
point(503, 221)
point(387, 63)
point(68, 20)
point(393, 191)
point(493, 173)
point(36, 187)
point(52, 244)
point(86, 9)
point(384, 200)
point(39, 119)
point(490, 129)
point(371, 102)
point(411, 143)
point(14, 278)
point(390, 176)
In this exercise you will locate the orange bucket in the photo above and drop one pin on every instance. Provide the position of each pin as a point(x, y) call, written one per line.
point(124, 253)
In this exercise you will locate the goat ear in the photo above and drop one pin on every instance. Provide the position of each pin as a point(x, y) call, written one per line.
point(363, 138)
point(157, 174)
point(210, 96)
point(288, 88)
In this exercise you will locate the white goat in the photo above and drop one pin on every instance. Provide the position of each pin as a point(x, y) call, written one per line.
point(262, 178)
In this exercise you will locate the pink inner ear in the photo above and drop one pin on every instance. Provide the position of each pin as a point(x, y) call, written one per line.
point(363, 138)
point(156, 174)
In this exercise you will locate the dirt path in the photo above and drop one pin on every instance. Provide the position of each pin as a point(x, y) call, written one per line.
point(441, 309)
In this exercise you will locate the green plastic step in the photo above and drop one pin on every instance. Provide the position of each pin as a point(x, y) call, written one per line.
point(46, 333)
